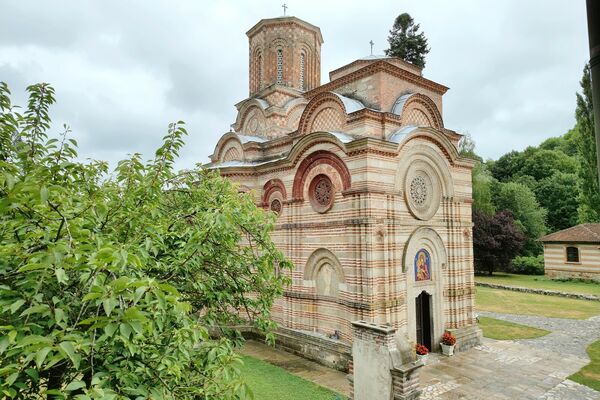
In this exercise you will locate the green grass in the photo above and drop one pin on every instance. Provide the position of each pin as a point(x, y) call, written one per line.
point(590, 374)
point(541, 282)
point(269, 382)
point(503, 330)
point(507, 301)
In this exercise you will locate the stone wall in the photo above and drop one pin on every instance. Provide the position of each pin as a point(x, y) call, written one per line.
point(540, 291)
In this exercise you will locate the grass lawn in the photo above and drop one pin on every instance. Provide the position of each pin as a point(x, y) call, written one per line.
point(506, 301)
point(590, 374)
point(540, 282)
point(502, 330)
point(269, 382)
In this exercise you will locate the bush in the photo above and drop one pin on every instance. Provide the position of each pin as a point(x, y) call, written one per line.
point(529, 265)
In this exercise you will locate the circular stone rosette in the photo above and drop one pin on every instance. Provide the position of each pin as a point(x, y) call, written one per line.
point(322, 193)
point(422, 191)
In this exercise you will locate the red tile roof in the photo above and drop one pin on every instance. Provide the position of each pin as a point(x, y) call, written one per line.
point(584, 233)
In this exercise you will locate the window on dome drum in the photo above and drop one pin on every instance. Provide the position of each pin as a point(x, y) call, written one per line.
point(279, 66)
point(572, 254)
point(259, 69)
point(301, 85)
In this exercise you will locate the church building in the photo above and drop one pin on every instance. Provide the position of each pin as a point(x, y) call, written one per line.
point(373, 200)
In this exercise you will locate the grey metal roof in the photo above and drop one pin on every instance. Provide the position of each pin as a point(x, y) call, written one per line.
point(399, 104)
point(401, 133)
point(351, 105)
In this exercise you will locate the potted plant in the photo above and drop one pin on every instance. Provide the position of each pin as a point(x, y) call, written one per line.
point(448, 341)
point(422, 351)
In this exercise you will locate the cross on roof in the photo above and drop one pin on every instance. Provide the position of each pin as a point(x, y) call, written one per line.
point(371, 43)
point(284, 8)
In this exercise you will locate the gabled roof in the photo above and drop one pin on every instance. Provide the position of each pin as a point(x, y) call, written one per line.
point(584, 233)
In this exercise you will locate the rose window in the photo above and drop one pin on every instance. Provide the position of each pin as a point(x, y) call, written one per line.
point(418, 190)
point(276, 206)
point(322, 193)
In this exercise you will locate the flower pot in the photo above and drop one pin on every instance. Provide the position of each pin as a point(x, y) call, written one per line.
point(422, 357)
point(447, 350)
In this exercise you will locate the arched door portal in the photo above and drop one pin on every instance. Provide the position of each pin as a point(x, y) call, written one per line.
point(423, 319)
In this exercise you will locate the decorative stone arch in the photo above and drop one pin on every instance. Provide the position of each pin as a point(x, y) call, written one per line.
point(314, 159)
point(419, 110)
point(293, 116)
point(314, 271)
point(424, 177)
point(428, 239)
point(274, 195)
point(253, 120)
point(228, 148)
point(324, 112)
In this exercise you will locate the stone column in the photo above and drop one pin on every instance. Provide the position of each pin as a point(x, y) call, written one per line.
point(384, 365)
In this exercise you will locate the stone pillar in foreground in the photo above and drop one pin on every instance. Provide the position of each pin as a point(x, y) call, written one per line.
point(383, 366)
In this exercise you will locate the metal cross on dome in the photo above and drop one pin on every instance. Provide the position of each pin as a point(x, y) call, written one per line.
point(371, 43)
point(284, 8)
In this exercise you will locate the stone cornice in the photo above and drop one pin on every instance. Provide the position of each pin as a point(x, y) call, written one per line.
point(379, 66)
point(285, 21)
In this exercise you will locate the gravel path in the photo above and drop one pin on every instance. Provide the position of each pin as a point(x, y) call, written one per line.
point(567, 337)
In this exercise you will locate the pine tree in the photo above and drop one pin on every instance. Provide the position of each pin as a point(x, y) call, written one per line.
point(405, 41)
point(589, 199)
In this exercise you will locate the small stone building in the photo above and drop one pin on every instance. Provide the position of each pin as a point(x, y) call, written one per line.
point(573, 252)
point(372, 197)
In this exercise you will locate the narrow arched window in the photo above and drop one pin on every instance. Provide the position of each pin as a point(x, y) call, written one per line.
point(259, 74)
point(301, 84)
point(572, 254)
point(280, 66)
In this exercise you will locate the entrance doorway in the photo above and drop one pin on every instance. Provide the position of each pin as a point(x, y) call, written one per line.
point(423, 314)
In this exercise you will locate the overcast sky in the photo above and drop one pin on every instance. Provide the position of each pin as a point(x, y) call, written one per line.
point(123, 70)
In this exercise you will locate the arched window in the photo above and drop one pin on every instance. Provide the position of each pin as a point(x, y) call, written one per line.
point(572, 254)
point(259, 76)
point(302, 60)
point(280, 66)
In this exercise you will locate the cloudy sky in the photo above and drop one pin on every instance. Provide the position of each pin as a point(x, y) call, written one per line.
point(123, 70)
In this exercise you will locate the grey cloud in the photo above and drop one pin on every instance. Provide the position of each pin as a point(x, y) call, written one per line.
point(124, 70)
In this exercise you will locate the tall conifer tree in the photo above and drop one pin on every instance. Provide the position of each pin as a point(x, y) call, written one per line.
point(589, 200)
point(406, 42)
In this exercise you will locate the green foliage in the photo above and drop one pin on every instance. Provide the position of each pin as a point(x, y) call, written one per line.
point(589, 199)
point(566, 143)
point(482, 189)
point(527, 265)
point(558, 195)
point(406, 42)
point(110, 283)
point(528, 214)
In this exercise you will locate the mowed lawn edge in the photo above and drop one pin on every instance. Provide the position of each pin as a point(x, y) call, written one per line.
point(511, 302)
point(590, 374)
point(270, 382)
point(503, 330)
point(540, 282)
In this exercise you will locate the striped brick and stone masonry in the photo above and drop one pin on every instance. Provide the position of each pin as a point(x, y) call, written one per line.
point(372, 197)
point(383, 366)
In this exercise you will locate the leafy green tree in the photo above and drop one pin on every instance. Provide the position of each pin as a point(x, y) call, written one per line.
point(109, 283)
point(406, 42)
point(558, 194)
point(529, 216)
point(466, 148)
point(482, 190)
point(507, 166)
point(566, 143)
point(589, 209)
point(544, 163)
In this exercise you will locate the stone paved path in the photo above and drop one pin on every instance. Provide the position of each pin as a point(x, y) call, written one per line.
point(504, 370)
point(567, 337)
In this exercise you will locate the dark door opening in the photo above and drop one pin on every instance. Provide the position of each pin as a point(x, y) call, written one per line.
point(423, 314)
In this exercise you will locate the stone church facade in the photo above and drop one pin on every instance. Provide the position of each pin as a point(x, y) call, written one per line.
point(373, 200)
